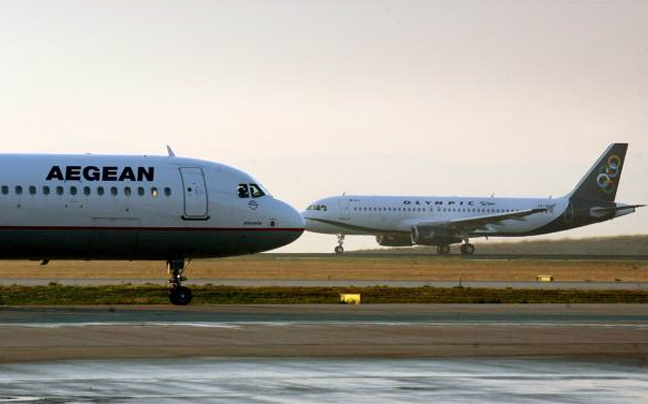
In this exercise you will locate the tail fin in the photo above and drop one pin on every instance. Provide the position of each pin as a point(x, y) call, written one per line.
point(602, 180)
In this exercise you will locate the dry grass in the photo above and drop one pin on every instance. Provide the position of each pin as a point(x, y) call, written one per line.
point(341, 268)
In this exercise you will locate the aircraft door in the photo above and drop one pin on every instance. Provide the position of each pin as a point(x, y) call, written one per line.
point(195, 193)
point(345, 209)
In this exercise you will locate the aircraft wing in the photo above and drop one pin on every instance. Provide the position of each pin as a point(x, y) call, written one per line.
point(468, 224)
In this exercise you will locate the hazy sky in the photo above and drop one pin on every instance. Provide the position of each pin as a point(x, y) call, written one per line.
point(318, 98)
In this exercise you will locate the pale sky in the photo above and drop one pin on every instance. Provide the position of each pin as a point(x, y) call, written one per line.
point(319, 98)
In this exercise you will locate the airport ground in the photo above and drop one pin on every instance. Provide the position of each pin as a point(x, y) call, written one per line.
point(329, 352)
point(324, 267)
point(319, 278)
point(389, 331)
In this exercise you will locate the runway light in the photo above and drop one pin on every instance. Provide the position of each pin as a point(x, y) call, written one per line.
point(544, 278)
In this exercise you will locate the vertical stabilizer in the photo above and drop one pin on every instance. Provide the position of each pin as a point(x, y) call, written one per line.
point(602, 180)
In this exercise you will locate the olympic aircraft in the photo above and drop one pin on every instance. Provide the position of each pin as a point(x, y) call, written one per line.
point(441, 221)
point(101, 207)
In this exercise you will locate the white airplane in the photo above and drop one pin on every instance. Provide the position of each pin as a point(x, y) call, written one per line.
point(441, 221)
point(101, 207)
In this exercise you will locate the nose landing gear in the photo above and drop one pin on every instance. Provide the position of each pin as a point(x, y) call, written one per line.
point(178, 294)
point(339, 249)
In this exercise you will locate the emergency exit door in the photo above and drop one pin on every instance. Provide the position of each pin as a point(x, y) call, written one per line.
point(195, 194)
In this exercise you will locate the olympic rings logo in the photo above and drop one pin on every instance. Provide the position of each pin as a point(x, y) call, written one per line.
point(608, 174)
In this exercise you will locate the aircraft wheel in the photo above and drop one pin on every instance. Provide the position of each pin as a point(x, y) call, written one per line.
point(339, 249)
point(180, 295)
point(467, 249)
point(443, 249)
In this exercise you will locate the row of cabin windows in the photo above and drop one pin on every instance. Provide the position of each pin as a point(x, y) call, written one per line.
point(87, 191)
point(476, 210)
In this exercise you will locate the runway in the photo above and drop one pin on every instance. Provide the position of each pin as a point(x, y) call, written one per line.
point(405, 253)
point(53, 333)
point(325, 354)
point(335, 283)
point(268, 380)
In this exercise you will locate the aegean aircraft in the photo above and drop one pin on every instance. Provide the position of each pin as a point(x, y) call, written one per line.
point(102, 207)
point(441, 221)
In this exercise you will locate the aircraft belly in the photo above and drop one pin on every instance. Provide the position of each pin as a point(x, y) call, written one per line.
point(135, 243)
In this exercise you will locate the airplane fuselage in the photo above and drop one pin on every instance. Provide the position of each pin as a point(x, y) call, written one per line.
point(135, 207)
point(370, 215)
point(373, 215)
point(443, 220)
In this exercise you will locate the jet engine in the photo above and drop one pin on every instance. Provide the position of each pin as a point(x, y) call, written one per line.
point(393, 241)
point(433, 235)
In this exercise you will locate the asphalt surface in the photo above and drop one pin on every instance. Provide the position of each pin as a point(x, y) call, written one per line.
point(321, 380)
point(386, 331)
point(326, 283)
point(477, 256)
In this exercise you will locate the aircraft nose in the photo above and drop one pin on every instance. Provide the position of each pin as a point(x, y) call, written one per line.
point(291, 223)
point(292, 218)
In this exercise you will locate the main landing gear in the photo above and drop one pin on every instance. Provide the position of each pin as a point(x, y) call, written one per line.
point(339, 249)
point(178, 294)
point(467, 249)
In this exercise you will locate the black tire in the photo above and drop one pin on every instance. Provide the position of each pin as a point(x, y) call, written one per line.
point(180, 296)
point(467, 249)
point(339, 249)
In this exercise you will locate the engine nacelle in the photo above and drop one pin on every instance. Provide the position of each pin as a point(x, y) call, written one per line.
point(431, 235)
point(394, 241)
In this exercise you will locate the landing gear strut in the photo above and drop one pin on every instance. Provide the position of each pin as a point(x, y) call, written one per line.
point(443, 249)
point(467, 249)
point(339, 249)
point(179, 295)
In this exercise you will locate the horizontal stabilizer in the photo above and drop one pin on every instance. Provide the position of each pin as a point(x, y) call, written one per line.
point(601, 211)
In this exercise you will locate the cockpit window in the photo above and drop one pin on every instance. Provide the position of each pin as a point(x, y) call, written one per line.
point(317, 207)
point(243, 191)
point(254, 190)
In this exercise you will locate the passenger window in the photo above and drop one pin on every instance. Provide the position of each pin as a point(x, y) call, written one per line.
point(256, 191)
point(86, 191)
point(243, 191)
point(59, 190)
point(127, 191)
point(167, 191)
point(154, 192)
point(19, 190)
point(100, 191)
point(5, 190)
point(73, 190)
point(141, 191)
point(46, 190)
point(113, 191)
point(32, 190)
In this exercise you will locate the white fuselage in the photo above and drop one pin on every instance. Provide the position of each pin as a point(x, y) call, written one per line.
point(374, 215)
point(442, 220)
point(135, 207)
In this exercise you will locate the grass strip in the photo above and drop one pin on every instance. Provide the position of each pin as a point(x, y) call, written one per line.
point(152, 294)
